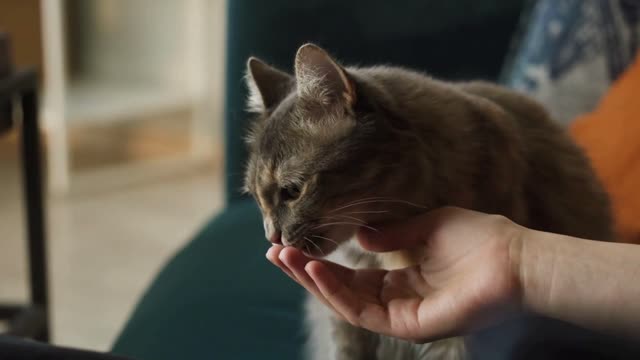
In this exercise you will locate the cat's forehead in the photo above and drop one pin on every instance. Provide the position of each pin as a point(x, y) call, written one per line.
point(288, 170)
point(298, 139)
point(299, 123)
point(277, 138)
point(284, 165)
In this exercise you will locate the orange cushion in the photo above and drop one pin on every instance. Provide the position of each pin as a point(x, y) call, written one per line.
point(611, 137)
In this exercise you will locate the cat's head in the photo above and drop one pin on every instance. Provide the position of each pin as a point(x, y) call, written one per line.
point(322, 152)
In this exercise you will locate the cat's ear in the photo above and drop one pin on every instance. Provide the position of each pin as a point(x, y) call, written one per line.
point(267, 85)
point(320, 77)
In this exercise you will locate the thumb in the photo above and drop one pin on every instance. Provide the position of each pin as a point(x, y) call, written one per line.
point(405, 234)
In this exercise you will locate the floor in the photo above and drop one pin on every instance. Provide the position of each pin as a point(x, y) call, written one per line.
point(134, 202)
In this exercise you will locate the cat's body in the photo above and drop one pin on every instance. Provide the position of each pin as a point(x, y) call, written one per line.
point(384, 143)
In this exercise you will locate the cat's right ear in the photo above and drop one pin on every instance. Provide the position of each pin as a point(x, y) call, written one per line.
point(267, 86)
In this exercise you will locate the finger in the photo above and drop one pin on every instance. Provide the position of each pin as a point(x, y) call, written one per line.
point(345, 301)
point(412, 318)
point(273, 256)
point(437, 317)
point(419, 319)
point(295, 262)
point(441, 314)
point(406, 234)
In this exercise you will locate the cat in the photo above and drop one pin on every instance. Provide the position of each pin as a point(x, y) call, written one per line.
point(334, 148)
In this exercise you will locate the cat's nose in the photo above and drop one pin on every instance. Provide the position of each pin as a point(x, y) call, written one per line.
point(270, 232)
point(276, 238)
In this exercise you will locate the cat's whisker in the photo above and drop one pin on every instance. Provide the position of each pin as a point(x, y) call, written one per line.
point(382, 201)
point(351, 217)
point(391, 200)
point(314, 244)
point(337, 217)
point(345, 223)
point(306, 246)
point(326, 238)
point(368, 212)
point(359, 200)
point(334, 223)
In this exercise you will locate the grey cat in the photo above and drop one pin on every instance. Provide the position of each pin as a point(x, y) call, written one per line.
point(333, 149)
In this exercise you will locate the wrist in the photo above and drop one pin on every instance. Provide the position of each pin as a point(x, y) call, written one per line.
point(578, 281)
point(516, 258)
point(535, 266)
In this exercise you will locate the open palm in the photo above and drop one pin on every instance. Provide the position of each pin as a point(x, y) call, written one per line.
point(466, 280)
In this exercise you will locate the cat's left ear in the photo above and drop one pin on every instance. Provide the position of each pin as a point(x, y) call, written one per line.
point(319, 77)
point(267, 85)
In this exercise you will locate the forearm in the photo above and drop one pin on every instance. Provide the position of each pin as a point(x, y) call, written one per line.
point(588, 283)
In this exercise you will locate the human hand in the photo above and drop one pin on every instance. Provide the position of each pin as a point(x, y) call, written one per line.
point(468, 279)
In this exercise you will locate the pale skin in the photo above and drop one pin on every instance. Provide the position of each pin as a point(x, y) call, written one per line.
point(479, 269)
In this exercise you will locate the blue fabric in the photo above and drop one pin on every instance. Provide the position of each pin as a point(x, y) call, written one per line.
point(219, 298)
point(572, 50)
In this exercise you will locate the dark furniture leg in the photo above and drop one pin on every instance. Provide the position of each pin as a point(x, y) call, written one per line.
point(32, 179)
point(28, 320)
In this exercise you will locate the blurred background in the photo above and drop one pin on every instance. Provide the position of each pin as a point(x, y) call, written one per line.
point(153, 251)
point(131, 112)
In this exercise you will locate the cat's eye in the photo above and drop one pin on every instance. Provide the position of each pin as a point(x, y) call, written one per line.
point(289, 192)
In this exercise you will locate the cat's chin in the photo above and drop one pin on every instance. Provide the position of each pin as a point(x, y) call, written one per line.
point(321, 245)
point(318, 249)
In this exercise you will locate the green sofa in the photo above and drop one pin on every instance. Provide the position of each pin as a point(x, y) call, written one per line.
point(218, 297)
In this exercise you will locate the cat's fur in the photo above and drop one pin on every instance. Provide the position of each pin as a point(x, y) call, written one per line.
point(404, 143)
